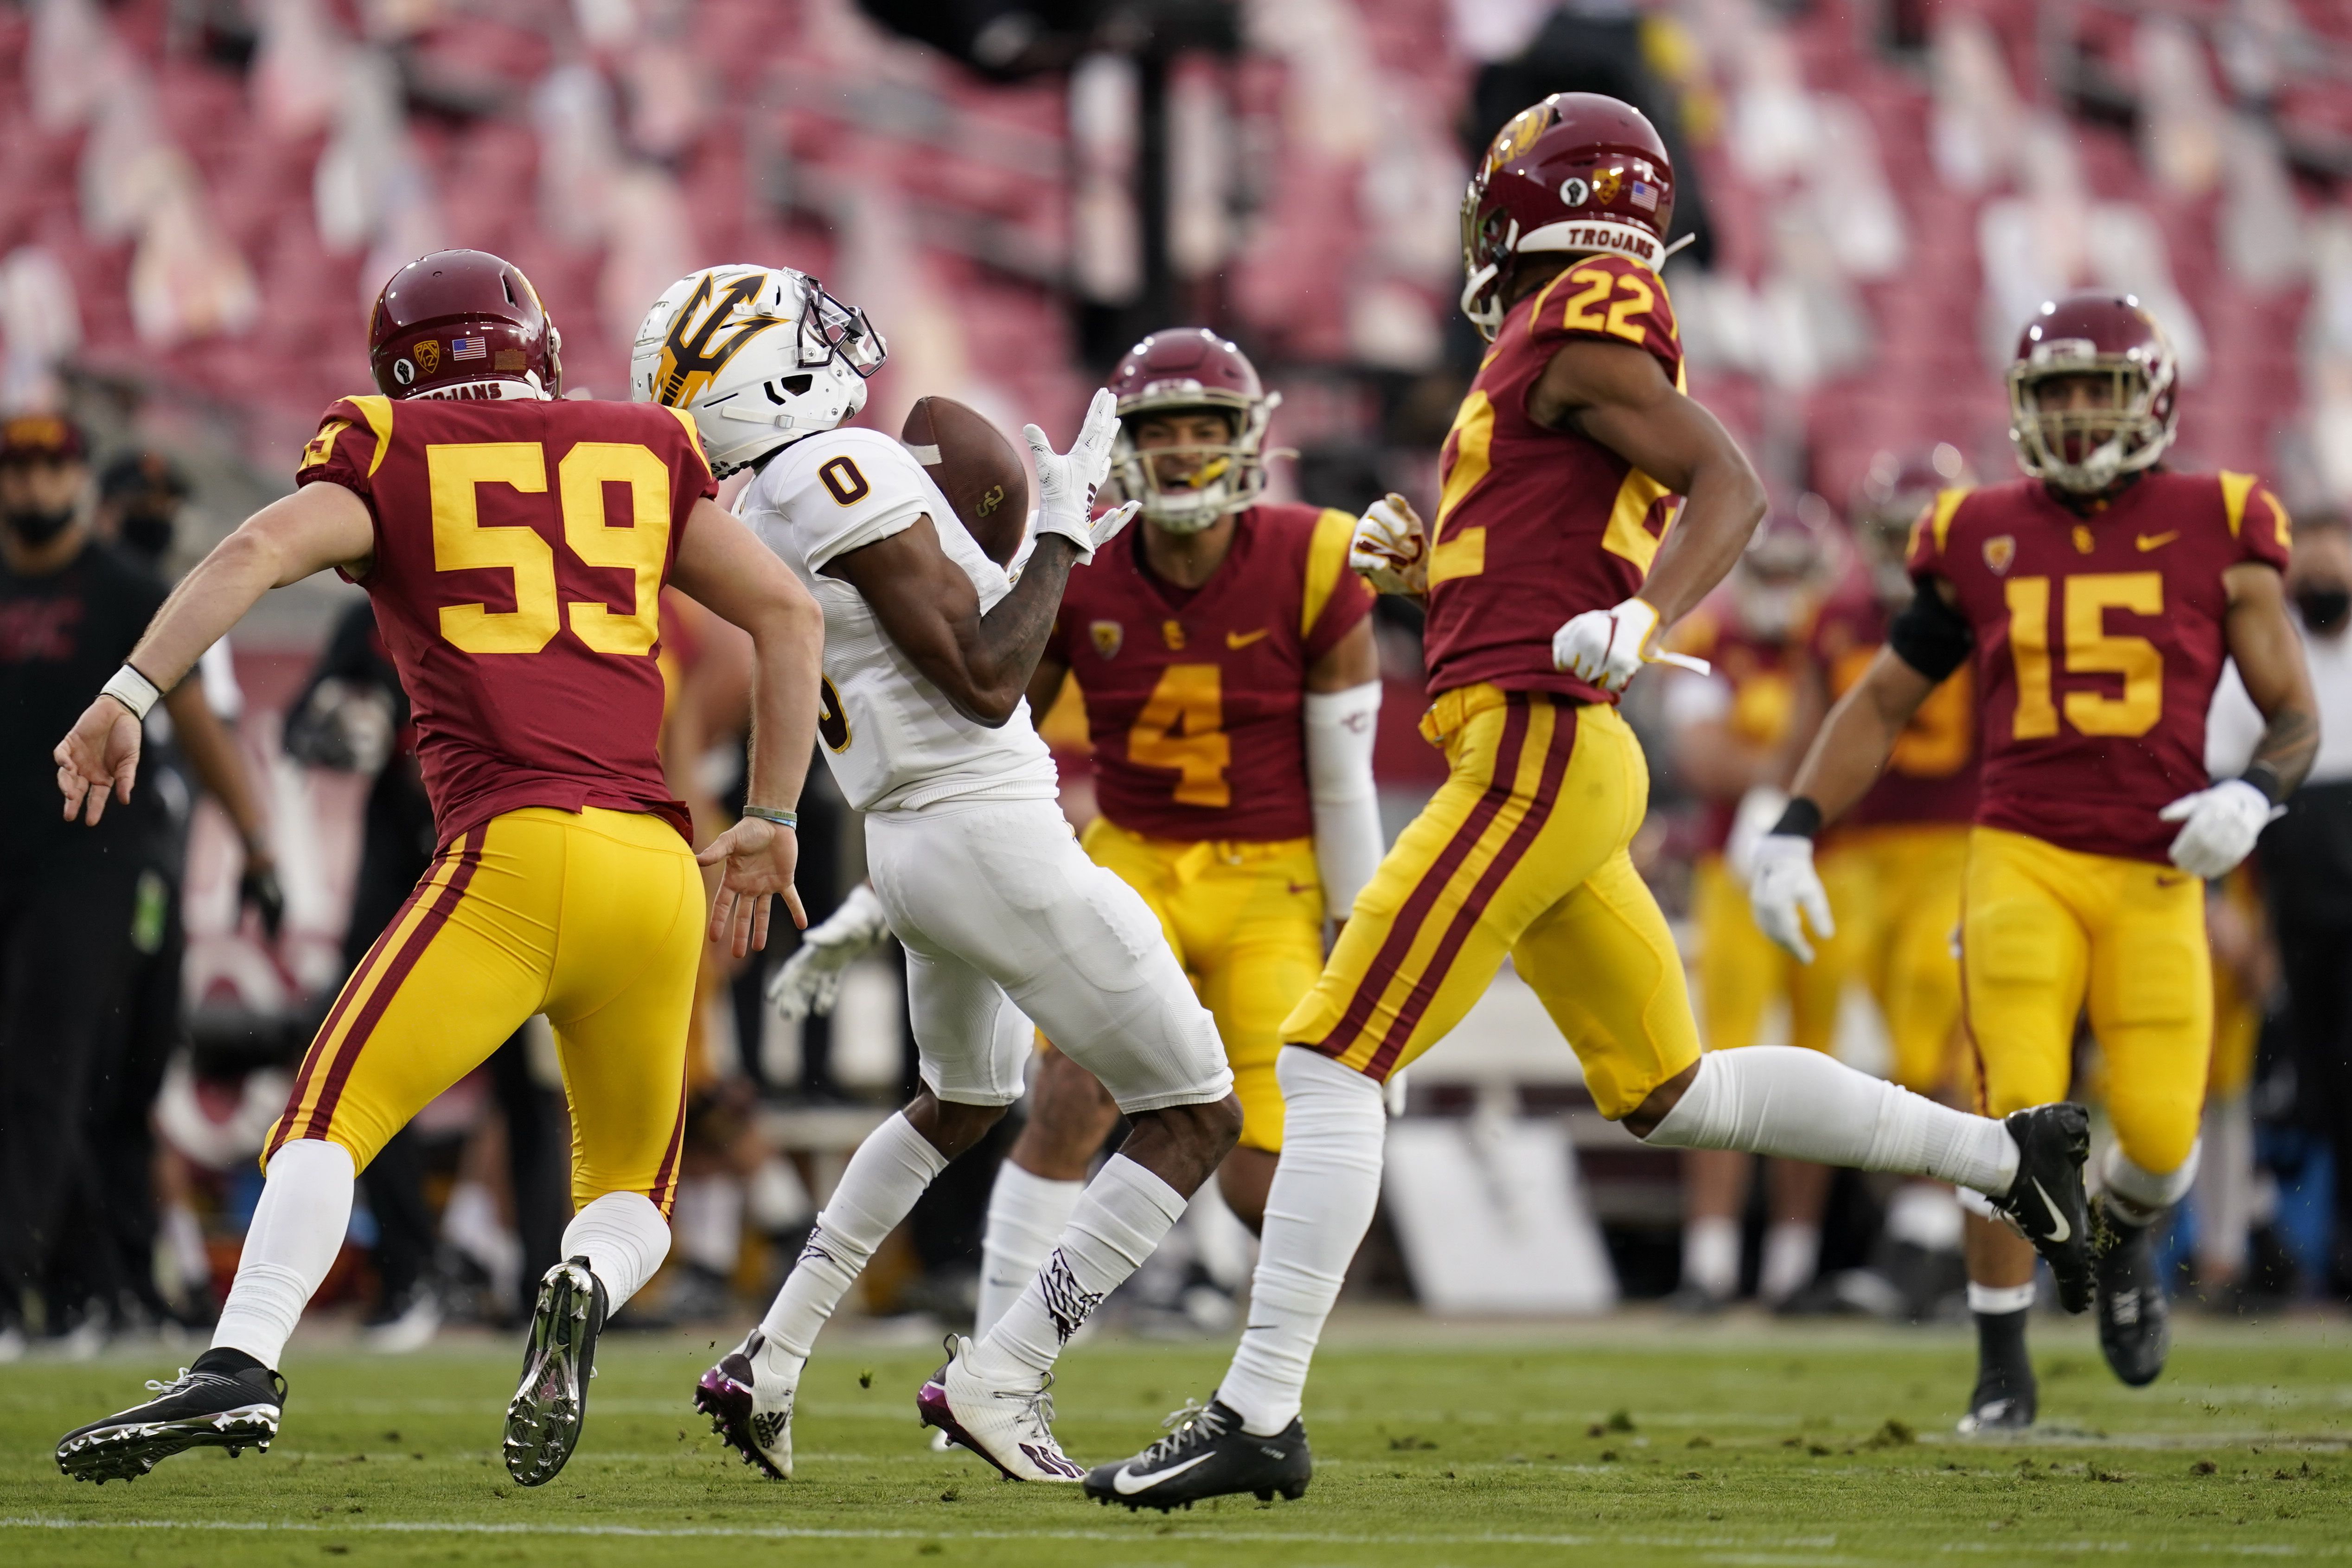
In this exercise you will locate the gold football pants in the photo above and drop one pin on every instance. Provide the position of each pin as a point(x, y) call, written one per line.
point(2044, 931)
point(593, 918)
point(1521, 852)
point(1902, 885)
point(1246, 921)
point(1741, 969)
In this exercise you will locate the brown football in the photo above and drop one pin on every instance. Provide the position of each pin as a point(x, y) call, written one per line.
point(975, 468)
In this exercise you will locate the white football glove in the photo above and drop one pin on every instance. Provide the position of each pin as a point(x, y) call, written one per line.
point(1781, 887)
point(1606, 646)
point(1389, 550)
point(2220, 826)
point(810, 980)
point(1066, 481)
point(1759, 810)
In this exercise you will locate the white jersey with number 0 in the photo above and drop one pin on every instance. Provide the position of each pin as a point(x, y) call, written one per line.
point(893, 740)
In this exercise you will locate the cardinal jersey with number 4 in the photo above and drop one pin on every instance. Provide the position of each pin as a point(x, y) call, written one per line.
point(521, 550)
point(1536, 525)
point(1195, 702)
point(892, 739)
point(2098, 640)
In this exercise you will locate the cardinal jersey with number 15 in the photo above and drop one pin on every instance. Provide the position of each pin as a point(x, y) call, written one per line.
point(1523, 850)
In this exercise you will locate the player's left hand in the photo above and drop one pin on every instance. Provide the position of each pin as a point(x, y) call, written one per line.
point(1066, 481)
point(1607, 647)
point(257, 889)
point(97, 759)
point(1785, 893)
point(756, 857)
point(1390, 549)
point(2220, 826)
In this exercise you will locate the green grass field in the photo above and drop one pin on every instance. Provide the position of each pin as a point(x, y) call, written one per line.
point(1642, 1440)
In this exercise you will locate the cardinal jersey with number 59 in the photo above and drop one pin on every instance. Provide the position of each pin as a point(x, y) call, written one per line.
point(1195, 700)
point(1534, 525)
point(2099, 640)
point(521, 550)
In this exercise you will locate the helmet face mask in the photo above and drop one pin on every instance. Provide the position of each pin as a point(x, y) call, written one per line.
point(761, 356)
point(1186, 486)
point(2092, 393)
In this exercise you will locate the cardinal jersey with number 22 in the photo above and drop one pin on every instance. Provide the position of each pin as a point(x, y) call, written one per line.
point(893, 741)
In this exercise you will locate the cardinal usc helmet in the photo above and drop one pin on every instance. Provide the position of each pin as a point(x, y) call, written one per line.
point(2111, 339)
point(1579, 172)
point(761, 356)
point(463, 323)
point(1185, 370)
point(1774, 581)
point(1893, 495)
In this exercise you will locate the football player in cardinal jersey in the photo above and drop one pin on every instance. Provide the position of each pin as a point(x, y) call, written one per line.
point(1225, 654)
point(2098, 598)
point(515, 546)
point(929, 651)
point(1549, 572)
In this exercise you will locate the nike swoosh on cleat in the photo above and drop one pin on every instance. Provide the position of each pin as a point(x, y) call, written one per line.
point(2060, 1230)
point(1127, 1483)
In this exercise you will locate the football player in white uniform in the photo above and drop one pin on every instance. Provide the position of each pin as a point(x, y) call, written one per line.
point(928, 647)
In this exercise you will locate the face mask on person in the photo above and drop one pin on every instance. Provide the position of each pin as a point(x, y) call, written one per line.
point(148, 532)
point(2322, 605)
point(35, 526)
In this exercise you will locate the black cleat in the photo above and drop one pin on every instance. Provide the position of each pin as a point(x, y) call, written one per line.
point(1998, 1406)
point(236, 1411)
point(2135, 1319)
point(1207, 1455)
point(2046, 1202)
point(543, 1418)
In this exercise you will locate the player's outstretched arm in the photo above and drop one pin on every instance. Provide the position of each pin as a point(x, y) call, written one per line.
point(2269, 661)
point(722, 566)
point(982, 663)
point(1619, 395)
point(319, 526)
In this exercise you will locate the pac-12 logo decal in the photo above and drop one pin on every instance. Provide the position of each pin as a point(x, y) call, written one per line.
point(1108, 638)
point(1999, 553)
point(1606, 184)
point(428, 356)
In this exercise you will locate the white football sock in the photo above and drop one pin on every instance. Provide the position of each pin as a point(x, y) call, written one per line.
point(2140, 1198)
point(298, 1228)
point(1796, 1104)
point(2225, 1189)
point(1119, 1218)
point(1793, 1250)
point(1335, 1128)
point(1711, 1255)
point(885, 1177)
point(707, 1218)
point(1026, 1214)
point(1998, 1301)
point(624, 1238)
point(1927, 1215)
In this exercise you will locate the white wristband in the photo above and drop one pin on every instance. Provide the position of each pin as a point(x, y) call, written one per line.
point(133, 690)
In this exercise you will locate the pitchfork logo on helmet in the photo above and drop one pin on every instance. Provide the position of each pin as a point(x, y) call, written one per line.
point(1579, 172)
point(1184, 488)
point(2111, 342)
point(760, 355)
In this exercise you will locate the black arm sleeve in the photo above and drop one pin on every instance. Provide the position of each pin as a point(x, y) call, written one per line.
point(1930, 635)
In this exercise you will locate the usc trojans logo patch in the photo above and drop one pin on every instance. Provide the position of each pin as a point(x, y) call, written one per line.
point(1999, 552)
point(1108, 638)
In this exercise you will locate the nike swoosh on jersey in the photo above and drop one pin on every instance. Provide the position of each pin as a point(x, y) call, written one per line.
point(1127, 1483)
point(2157, 541)
point(1300, 887)
point(1242, 639)
point(2063, 1229)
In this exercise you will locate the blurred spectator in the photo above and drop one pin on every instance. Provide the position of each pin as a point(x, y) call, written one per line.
point(2306, 856)
point(87, 913)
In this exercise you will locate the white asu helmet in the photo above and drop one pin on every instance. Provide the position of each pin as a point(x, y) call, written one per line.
point(760, 355)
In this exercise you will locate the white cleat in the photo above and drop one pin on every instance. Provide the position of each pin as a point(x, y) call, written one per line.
point(749, 1404)
point(1009, 1423)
